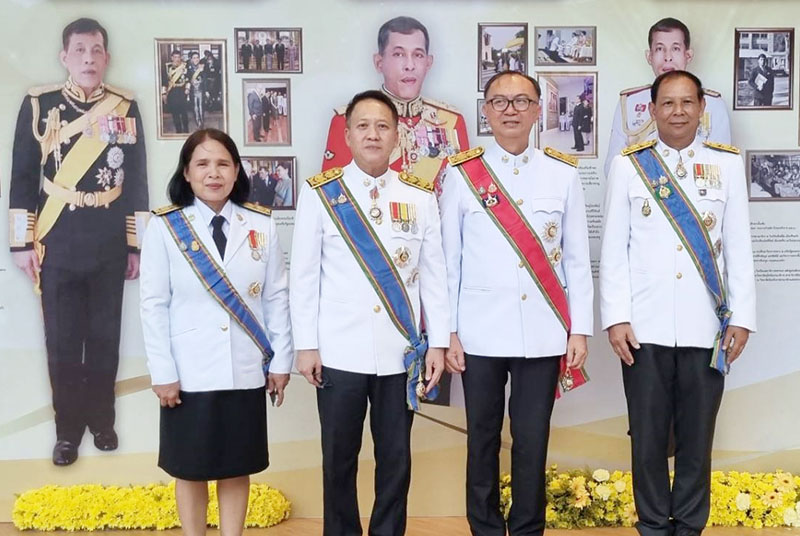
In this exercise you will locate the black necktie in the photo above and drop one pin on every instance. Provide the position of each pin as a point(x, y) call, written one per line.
point(218, 235)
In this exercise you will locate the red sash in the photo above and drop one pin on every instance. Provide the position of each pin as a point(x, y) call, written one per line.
point(508, 217)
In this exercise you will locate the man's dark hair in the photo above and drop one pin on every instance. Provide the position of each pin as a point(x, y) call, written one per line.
point(401, 25)
point(180, 191)
point(194, 53)
point(666, 25)
point(83, 26)
point(372, 94)
point(669, 75)
point(175, 51)
point(509, 73)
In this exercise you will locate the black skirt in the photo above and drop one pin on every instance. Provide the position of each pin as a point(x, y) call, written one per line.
point(213, 435)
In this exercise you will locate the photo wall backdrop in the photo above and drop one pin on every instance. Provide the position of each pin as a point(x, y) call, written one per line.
point(273, 74)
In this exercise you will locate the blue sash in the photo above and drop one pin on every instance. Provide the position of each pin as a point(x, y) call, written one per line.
point(688, 224)
point(384, 278)
point(216, 282)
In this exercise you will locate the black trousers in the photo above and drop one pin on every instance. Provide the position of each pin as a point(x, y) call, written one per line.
point(342, 405)
point(533, 388)
point(82, 312)
point(664, 386)
point(257, 127)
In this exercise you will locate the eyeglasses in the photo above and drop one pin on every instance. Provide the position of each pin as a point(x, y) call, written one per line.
point(521, 103)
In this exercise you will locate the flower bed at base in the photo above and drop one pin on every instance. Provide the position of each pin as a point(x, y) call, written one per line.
point(583, 498)
point(91, 507)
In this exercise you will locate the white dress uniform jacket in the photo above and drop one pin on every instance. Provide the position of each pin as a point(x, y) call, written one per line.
point(188, 336)
point(335, 309)
point(496, 308)
point(647, 277)
point(636, 125)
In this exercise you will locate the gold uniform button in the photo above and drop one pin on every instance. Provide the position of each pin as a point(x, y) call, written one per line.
point(516, 171)
point(521, 264)
point(223, 327)
point(377, 308)
point(524, 297)
point(520, 201)
point(680, 247)
point(679, 275)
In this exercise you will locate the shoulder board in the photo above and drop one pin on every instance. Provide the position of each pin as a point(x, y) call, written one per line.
point(721, 147)
point(340, 110)
point(326, 176)
point(711, 92)
point(632, 90)
point(416, 182)
point(636, 147)
point(162, 211)
point(258, 208)
point(124, 93)
point(440, 104)
point(40, 90)
point(558, 155)
point(463, 156)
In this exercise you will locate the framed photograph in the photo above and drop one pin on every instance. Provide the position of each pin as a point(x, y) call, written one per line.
point(569, 113)
point(273, 180)
point(773, 175)
point(269, 50)
point(763, 69)
point(192, 86)
point(483, 125)
point(266, 104)
point(501, 47)
point(565, 45)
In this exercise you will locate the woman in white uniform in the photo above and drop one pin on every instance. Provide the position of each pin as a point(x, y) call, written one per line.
point(207, 362)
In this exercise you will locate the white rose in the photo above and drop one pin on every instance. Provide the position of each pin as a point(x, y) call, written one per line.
point(603, 491)
point(115, 157)
point(620, 486)
point(743, 502)
point(601, 475)
point(790, 517)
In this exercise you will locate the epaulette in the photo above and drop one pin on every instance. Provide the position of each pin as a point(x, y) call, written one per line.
point(721, 147)
point(440, 104)
point(463, 156)
point(326, 176)
point(161, 211)
point(711, 92)
point(636, 147)
point(632, 90)
point(416, 182)
point(266, 211)
point(558, 155)
point(40, 90)
point(340, 110)
point(124, 93)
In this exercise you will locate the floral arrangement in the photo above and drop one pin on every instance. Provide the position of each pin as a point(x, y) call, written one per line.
point(581, 498)
point(94, 507)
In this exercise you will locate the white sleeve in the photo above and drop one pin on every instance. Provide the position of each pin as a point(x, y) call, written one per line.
point(615, 283)
point(738, 251)
point(304, 272)
point(275, 304)
point(155, 295)
point(433, 280)
point(720, 122)
point(576, 263)
point(450, 210)
point(617, 141)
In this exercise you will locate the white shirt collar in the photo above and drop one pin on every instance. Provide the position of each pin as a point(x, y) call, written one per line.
point(495, 152)
point(207, 213)
point(359, 175)
point(689, 151)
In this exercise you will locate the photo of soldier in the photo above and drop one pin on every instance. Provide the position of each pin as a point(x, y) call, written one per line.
point(192, 86)
point(78, 206)
point(501, 47)
point(269, 50)
point(568, 113)
point(267, 108)
point(669, 48)
point(773, 175)
point(272, 181)
point(763, 75)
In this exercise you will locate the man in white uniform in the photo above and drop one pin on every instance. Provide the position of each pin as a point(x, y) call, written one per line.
point(669, 49)
point(349, 344)
point(661, 314)
point(501, 323)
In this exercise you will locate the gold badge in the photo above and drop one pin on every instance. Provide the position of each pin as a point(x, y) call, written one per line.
point(662, 180)
point(195, 246)
point(401, 256)
point(567, 381)
point(554, 255)
point(341, 199)
point(183, 246)
point(421, 388)
point(646, 210)
point(664, 192)
point(492, 188)
point(709, 220)
point(550, 230)
point(254, 289)
point(680, 170)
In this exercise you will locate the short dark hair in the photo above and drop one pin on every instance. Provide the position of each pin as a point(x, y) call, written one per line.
point(175, 51)
point(83, 26)
point(180, 191)
point(669, 75)
point(509, 73)
point(371, 94)
point(194, 53)
point(668, 24)
point(401, 25)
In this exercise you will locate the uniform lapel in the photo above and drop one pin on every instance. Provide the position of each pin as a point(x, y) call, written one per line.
point(200, 227)
point(238, 232)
